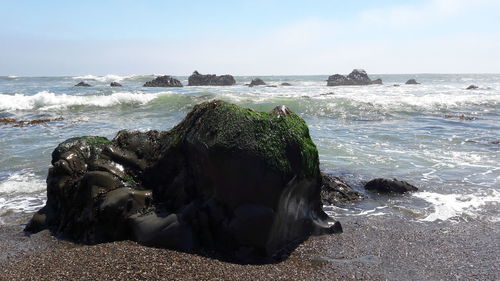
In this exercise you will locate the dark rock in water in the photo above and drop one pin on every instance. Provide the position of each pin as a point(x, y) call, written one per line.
point(163, 81)
point(338, 80)
point(464, 117)
point(389, 186)
point(412, 82)
point(272, 86)
point(395, 85)
point(257, 82)
point(286, 84)
point(335, 191)
point(82, 84)
point(359, 75)
point(226, 178)
point(22, 123)
point(327, 94)
point(356, 77)
point(197, 79)
point(461, 117)
point(472, 87)
point(115, 84)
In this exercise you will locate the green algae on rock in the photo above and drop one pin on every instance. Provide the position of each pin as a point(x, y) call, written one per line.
point(226, 178)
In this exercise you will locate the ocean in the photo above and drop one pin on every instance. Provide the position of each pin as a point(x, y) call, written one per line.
point(436, 135)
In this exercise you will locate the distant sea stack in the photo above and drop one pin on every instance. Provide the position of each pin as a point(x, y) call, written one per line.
point(163, 81)
point(357, 77)
point(197, 79)
point(82, 84)
point(257, 82)
point(412, 82)
point(115, 84)
point(472, 87)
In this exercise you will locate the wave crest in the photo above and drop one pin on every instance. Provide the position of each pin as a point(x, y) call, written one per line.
point(49, 101)
point(105, 78)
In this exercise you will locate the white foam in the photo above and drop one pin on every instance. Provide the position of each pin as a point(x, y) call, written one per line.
point(105, 78)
point(22, 182)
point(405, 100)
point(381, 97)
point(338, 212)
point(447, 206)
point(22, 192)
point(49, 101)
point(20, 204)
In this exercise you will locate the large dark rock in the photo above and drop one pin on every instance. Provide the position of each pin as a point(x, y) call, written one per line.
point(82, 84)
point(115, 84)
point(389, 186)
point(334, 191)
point(412, 82)
point(286, 84)
point(472, 87)
point(226, 178)
point(257, 82)
point(163, 81)
point(197, 79)
point(356, 77)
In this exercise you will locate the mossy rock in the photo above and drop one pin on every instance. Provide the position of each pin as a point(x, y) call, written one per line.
point(226, 178)
point(256, 149)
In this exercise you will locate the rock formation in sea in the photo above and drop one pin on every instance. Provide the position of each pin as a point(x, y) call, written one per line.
point(257, 82)
point(22, 123)
point(412, 82)
point(226, 178)
point(115, 84)
point(286, 84)
point(334, 191)
point(163, 81)
point(197, 79)
point(381, 185)
point(472, 87)
point(82, 84)
point(356, 77)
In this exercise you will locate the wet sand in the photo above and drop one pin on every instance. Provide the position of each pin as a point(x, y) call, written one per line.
point(376, 248)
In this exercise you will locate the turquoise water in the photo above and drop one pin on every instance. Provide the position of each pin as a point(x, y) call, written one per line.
point(435, 135)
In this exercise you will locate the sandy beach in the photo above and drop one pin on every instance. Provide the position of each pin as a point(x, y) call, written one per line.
point(372, 248)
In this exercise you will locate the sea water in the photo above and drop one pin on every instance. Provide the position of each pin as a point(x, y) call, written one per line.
point(436, 135)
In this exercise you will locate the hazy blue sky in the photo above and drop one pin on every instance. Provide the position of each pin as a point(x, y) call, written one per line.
point(248, 37)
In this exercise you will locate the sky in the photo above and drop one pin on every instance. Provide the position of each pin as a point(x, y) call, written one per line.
point(257, 37)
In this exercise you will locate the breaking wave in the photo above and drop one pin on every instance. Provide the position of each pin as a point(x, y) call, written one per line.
point(105, 78)
point(449, 206)
point(21, 182)
point(50, 101)
point(21, 192)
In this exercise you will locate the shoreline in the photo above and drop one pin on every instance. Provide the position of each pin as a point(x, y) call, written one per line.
point(371, 248)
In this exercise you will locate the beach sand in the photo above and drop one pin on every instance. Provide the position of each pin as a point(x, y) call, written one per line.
point(371, 248)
